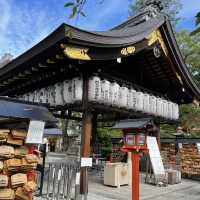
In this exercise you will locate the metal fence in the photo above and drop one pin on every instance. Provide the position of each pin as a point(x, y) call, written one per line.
point(60, 181)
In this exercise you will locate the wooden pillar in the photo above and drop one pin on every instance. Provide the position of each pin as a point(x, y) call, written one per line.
point(85, 149)
point(85, 136)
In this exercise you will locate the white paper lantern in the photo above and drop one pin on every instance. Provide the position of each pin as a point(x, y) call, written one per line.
point(105, 92)
point(94, 89)
point(77, 89)
point(31, 97)
point(36, 96)
point(153, 104)
point(139, 101)
point(51, 95)
point(67, 91)
point(59, 94)
point(170, 110)
point(165, 109)
point(132, 100)
point(175, 111)
point(114, 94)
point(146, 105)
point(123, 96)
point(26, 97)
point(159, 107)
point(42, 95)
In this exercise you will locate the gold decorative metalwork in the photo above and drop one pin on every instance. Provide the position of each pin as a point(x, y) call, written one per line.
point(156, 36)
point(128, 50)
point(195, 102)
point(179, 78)
point(75, 52)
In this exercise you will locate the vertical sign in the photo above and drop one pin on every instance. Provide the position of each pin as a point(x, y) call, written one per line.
point(198, 147)
point(155, 156)
point(35, 132)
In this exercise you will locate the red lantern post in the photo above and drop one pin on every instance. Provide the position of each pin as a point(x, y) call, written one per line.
point(135, 143)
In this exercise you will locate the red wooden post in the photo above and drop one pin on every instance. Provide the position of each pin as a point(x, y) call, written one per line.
point(135, 176)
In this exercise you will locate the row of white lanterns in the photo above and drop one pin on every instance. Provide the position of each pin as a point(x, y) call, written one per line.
point(67, 92)
point(111, 93)
point(104, 92)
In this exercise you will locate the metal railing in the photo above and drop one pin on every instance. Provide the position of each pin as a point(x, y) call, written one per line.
point(60, 181)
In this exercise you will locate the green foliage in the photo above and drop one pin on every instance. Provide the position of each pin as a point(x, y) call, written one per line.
point(77, 7)
point(190, 48)
point(167, 130)
point(190, 117)
point(170, 7)
point(104, 138)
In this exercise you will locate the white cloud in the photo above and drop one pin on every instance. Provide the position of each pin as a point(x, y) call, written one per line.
point(4, 21)
point(21, 27)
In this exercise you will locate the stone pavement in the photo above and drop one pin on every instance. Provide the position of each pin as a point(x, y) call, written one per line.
point(187, 190)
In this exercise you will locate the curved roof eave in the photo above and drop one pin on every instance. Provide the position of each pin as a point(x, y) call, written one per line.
point(173, 45)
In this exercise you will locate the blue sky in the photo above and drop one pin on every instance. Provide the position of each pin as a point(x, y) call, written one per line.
point(23, 23)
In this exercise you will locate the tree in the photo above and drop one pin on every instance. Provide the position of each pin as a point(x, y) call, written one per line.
point(190, 48)
point(77, 7)
point(169, 7)
point(197, 30)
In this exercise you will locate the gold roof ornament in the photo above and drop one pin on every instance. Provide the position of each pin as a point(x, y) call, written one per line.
point(156, 36)
point(128, 50)
point(76, 52)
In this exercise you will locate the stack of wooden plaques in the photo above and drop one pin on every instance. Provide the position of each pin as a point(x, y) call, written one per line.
point(168, 154)
point(190, 160)
point(17, 165)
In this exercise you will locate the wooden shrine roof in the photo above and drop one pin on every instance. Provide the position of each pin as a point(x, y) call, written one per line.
point(150, 59)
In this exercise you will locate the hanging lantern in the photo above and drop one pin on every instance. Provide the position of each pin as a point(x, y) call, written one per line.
point(42, 96)
point(94, 89)
point(77, 89)
point(152, 104)
point(114, 94)
point(36, 96)
point(175, 111)
point(158, 106)
point(132, 99)
point(67, 91)
point(165, 108)
point(123, 96)
point(58, 94)
point(139, 101)
point(170, 110)
point(162, 108)
point(105, 91)
point(146, 105)
point(31, 97)
point(51, 95)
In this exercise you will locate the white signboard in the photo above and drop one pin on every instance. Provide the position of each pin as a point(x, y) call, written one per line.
point(155, 156)
point(198, 147)
point(86, 162)
point(35, 132)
